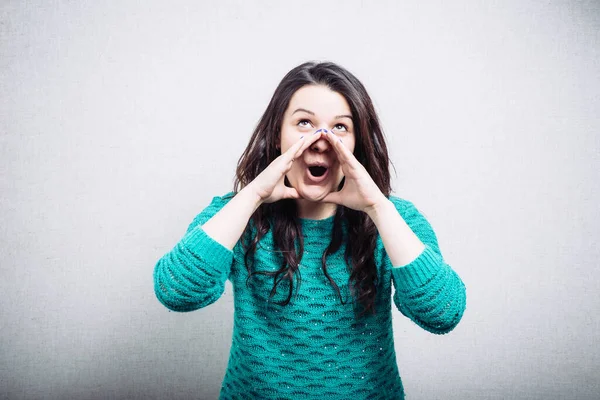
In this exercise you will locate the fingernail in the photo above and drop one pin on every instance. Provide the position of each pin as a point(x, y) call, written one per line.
point(341, 140)
point(301, 136)
point(317, 131)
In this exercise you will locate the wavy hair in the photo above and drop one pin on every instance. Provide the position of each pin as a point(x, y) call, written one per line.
point(370, 150)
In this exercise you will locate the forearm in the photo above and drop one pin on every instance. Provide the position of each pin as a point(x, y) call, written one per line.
point(227, 225)
point(401, 244)
point(428, 290)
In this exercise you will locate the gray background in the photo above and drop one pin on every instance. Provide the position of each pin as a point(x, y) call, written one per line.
point(121, 120)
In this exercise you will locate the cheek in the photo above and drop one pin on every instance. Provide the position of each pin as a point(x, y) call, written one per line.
point(351, 145)
point(296, 172)
point(286, 143)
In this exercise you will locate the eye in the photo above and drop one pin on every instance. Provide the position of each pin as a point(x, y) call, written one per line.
point(345, 127)
point(301, 121)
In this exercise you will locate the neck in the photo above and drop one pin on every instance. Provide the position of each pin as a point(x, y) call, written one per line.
point(315, 210)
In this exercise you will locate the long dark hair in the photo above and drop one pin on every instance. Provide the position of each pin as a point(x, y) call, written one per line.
point(370, 150)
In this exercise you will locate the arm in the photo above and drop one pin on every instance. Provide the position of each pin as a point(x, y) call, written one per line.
point(227, 226)
point(427, 290)
point(193, 274)
point(402, 245)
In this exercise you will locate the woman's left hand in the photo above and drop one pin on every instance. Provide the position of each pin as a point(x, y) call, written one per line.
point(360, 191)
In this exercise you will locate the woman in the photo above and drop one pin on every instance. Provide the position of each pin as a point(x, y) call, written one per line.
point(312, 244)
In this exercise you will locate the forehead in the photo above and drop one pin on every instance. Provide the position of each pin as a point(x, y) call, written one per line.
point(319, 99)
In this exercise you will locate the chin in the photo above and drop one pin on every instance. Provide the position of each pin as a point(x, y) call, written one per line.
point(314, 192)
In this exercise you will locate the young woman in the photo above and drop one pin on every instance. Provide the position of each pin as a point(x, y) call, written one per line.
point(312, 241)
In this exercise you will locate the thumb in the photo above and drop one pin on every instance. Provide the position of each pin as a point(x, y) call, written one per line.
point(291, 193)
point(333, 197)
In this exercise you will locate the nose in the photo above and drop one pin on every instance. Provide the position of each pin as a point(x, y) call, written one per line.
point(321, 145)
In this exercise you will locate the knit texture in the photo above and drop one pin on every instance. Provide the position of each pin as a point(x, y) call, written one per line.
point(313, 348)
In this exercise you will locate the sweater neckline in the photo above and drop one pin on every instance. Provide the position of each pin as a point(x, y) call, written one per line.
point(322, 225)
point(324, 220)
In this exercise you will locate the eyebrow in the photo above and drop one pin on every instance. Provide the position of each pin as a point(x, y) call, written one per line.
point(312, 113)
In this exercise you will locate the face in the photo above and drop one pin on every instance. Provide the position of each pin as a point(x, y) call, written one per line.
point(315, 107)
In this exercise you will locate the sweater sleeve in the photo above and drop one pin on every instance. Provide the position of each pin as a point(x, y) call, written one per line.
point(193, 274)
point(427, 290)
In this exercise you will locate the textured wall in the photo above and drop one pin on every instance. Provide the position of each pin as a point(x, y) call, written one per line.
point(119, 121)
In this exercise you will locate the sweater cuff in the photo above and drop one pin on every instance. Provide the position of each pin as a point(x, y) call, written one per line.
point(206, 248)
point(419, 271)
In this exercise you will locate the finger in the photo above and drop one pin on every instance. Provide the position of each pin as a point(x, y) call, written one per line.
point(309, 140)
point(340, 148)
point(289, 154)
point(298, 148)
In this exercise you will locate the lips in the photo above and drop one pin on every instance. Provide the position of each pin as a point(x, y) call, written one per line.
point(317, 172)
point(317, 164)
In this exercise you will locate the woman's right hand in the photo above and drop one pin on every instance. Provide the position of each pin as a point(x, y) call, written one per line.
point(269, 184)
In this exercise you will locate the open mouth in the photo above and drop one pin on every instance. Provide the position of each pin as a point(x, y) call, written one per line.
point(317, 171)
point(317, 174)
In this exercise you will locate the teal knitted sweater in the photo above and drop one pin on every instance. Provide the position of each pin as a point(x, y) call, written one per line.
point(314, 347)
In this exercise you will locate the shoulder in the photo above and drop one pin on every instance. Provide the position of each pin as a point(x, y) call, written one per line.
point(223, 199)
point(219, 202)
point(405, 207)
point(417, 221)
point(215, 205)
point(409, 211)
